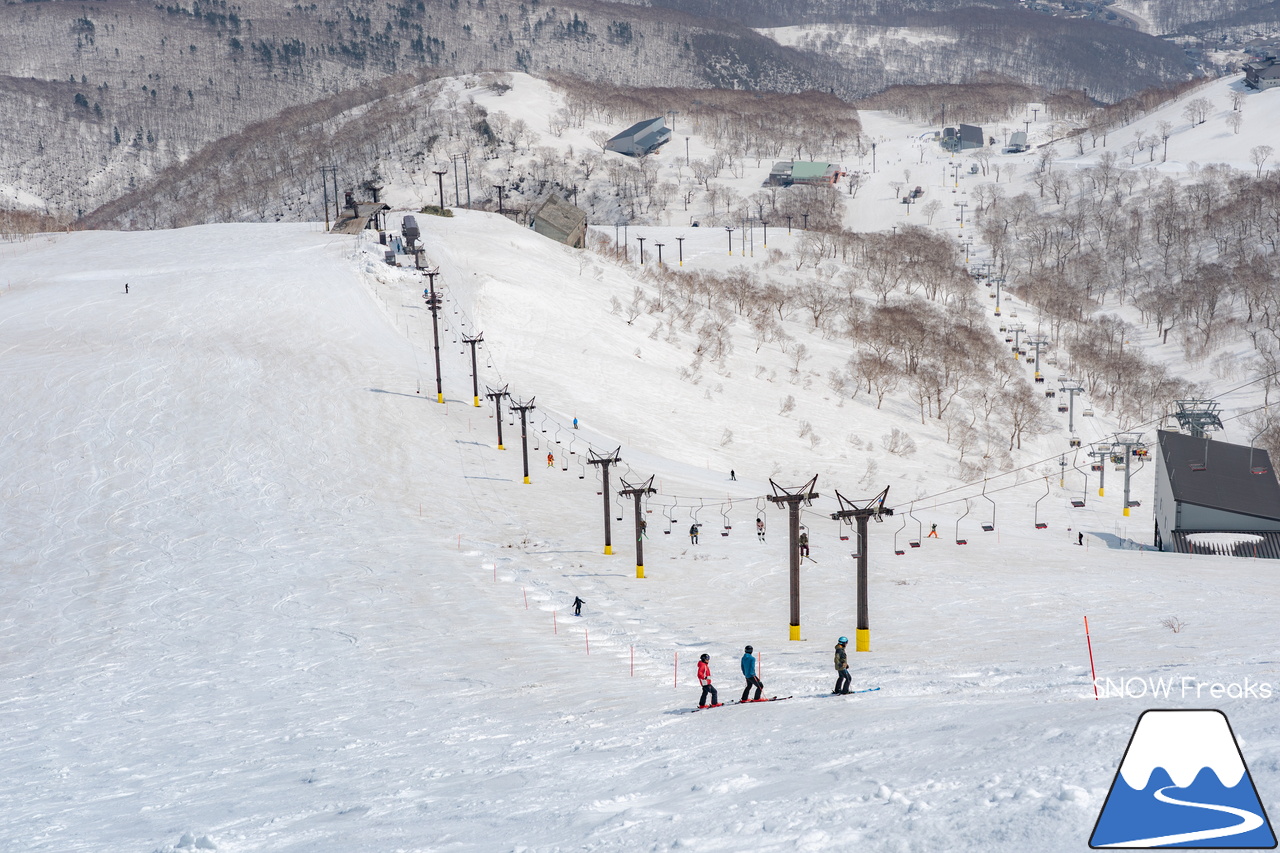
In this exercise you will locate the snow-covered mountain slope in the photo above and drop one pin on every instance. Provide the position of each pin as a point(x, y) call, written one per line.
point(262, 593)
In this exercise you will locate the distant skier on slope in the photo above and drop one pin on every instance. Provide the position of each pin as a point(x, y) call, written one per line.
point(842, 667)
point(551, 460)
point(704, 678)
point(693, 534)
point(749, 673)
point(760, 529)
point(577, 606)
point(933, 532)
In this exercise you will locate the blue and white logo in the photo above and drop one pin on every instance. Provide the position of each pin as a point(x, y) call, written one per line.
point(1183, 783)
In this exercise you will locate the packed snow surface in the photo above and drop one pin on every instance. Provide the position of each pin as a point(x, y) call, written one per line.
point(261, 592)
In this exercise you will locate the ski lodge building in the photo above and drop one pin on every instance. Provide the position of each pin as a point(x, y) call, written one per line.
point(788, 172)
point(643, 137)
point(1262, 74)
point(1212, 487)
point(561, 221)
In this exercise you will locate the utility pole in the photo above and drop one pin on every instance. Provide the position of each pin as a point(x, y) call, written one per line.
point(433, 305)
point(766, 232)
point(638, 492)
point(475, 375)
point(873, 168)
point(792, 499)
point(327, 172)
point(496, 396)
point(872, 508)
point(499, 188)
point(1101, 453)
point(604, 461)
point(524, 409)
point(1071, 387)
point(1130, 441)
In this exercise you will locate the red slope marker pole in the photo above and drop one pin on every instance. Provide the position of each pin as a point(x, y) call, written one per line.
point(554, 628)
point(1092, 671)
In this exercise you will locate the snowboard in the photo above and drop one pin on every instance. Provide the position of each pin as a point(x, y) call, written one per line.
point(854, 692)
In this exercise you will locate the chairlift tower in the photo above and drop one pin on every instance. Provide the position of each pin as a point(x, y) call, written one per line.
point(998, 281)
point(638, 492)
point(1197, 416)
point(496, 396)
point(524, 409)
point(1102, 453)
point(1038, 344)
point(861, 511)
point(475, 374)
point(433, 305)
point(793, 499)
point(1130, 441)
point(604, 461)
point(1070, 387)
point(1016, 329)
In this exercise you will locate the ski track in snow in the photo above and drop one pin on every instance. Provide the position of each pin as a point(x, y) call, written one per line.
point(259, 586)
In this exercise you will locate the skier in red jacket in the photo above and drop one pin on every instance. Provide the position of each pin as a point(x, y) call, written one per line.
point(704, 678)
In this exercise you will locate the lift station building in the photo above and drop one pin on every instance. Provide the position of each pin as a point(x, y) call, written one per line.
point(1208, 487)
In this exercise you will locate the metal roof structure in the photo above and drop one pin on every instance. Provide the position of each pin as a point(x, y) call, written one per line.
point(558, 219)
point(1228, 477)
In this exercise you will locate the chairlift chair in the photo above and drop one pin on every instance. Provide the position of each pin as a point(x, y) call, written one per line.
point(1073, 441)
point(1039, 377)
point(1088, 413)
point(989, 526)
point(1062, 408)
point(1096, 466)
point(840, 528)
point(1077, 502)
point(1050, 393)
point(960, 541)
point(896, 550)
point(1035, 508)
point(915, 543)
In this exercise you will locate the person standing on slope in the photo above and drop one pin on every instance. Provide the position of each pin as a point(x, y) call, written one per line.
point(704, 678)
point(693, 534)
point(577, 606)
point(842, 667)
point(760, 529)
point(551, 460)
point(749, 673)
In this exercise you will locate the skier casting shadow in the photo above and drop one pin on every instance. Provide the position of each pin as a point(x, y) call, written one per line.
point(842, 667)
point(749, 673)
point(704, 678)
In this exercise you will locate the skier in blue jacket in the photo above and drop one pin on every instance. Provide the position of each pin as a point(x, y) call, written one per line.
point(749, 673)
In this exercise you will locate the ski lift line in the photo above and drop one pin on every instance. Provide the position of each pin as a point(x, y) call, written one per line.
point(1146, 424)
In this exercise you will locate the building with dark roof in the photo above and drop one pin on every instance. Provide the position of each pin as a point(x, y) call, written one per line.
point(561, 221)
point(963, 138)
point(1206, 486)
point(643, 137)
point(1262, 73)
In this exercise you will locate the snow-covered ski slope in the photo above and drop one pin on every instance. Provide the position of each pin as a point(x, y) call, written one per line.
point(261, 592)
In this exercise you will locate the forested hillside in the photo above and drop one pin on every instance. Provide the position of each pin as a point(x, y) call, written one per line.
point(112, 93)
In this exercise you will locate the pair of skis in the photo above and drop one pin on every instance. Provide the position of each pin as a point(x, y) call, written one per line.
point(740, 702)
point(778, 699)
